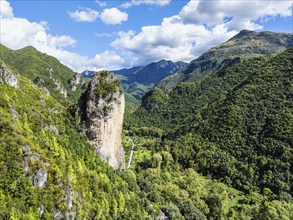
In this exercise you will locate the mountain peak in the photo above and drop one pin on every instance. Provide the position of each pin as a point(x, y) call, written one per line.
point(244, 44)
point(243, 33)
point(45, 71)
point(29, 48)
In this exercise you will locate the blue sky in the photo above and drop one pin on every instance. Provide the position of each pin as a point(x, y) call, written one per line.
point(115, 34)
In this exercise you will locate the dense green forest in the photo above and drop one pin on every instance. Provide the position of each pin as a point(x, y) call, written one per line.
point(48, 170)
point(46, 165)
point(216, 148)
point(234, 125)
point(45, 71)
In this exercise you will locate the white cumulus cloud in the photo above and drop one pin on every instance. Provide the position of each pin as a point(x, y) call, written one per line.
point(113, 16)
point(6, 10)
point(199, 26)
point(107, 57)
point(214, 12)
point(174, 41)
point(26, 33)
point(86, 15)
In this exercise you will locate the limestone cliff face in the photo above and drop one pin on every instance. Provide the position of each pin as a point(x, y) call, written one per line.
point(102, 110)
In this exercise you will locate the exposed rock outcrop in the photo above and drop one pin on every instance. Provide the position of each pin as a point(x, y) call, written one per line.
point(40, 178)
point(59, 88)
point(6, 76)
point(46, 91)
point(63, 92)
point(75, 81)
point(41, 84)
point(14, 113)
point(52, 128)
point(102, 110)
point(227, 62)
point(69, 197)
point(41, 210)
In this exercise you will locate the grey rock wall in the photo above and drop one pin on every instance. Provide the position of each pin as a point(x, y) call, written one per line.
point(102, 110)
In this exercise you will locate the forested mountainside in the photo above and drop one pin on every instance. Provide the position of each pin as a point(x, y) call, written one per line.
point(49, 171)
point(245, 44)
point(137, 81)
point(45, 71)
point(219, 147)
point(234, 125)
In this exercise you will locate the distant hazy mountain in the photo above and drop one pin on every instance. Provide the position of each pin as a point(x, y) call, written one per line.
point(244, 44)
point(136, 81)
point(151, 73)
point(127, 71)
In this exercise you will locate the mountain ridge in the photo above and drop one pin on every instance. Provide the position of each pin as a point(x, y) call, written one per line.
point(241, 112)
point(45, 71)
point(136, 81)
point(245, 43)
point(216, 147)
point(48, 170)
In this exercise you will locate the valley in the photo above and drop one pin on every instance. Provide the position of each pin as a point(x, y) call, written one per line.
point(209, 139)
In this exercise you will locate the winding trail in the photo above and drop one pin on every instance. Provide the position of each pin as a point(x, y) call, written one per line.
point(131, 153)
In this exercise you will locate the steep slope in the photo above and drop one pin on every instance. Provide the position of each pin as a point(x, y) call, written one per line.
point(45, 71)
point(246, 43)
point(253, 124)
point(48, 170)
point(183, 105)
point(101, 108)
point(235, 124)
